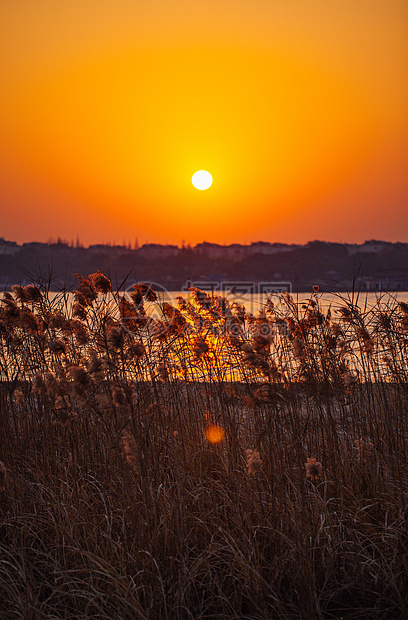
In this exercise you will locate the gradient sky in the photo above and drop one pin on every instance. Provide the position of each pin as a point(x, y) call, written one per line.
point(297, 108)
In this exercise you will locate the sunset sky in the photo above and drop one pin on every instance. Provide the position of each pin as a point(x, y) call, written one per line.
point(297, 108)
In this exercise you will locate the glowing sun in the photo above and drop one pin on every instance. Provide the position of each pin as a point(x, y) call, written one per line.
point(202, 179)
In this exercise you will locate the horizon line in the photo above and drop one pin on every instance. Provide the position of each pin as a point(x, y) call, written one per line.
point(78, 244)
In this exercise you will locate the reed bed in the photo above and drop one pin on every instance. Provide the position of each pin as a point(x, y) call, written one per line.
point(201, 462)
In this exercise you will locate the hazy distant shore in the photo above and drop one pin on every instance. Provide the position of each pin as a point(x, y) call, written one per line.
point(372, 266)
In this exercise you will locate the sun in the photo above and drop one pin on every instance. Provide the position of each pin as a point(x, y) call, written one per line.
point(202, 179)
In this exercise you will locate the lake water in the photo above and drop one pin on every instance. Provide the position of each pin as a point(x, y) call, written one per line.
point(255, 302)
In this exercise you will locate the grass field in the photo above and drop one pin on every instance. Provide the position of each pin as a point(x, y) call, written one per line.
point(200, 462)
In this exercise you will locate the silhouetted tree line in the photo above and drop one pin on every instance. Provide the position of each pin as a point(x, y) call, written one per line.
point(327, 264)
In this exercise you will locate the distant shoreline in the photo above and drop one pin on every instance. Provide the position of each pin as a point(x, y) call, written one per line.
point(370, 267)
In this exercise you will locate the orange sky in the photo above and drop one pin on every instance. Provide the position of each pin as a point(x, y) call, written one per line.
point(297, 109)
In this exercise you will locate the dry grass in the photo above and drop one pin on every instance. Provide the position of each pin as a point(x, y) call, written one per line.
point(117, 505)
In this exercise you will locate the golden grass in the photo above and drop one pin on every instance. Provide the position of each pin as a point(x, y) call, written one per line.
point(114, 501)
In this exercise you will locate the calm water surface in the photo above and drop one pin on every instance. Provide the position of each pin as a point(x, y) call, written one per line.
point(255, 302)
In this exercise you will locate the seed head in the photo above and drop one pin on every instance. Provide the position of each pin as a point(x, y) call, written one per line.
point(81, 379)
point(254, 462)
point(32, 293)
point(57, 346)
point(136, 350)
point(404, 307)
point(299, 348)
point(314, 469)
point(262, 393)
point(80, 331)
point(94, 363)
point(51, 383)
point(200, 347)
point(38, 384)
point(86, 293)
point(162, 372)
point(18, 397)
point(115, 338)
point(142, 290)
point(19, 292)
point(365, 338)
point(130, 449)
point(101, 283)
point(79, 310)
